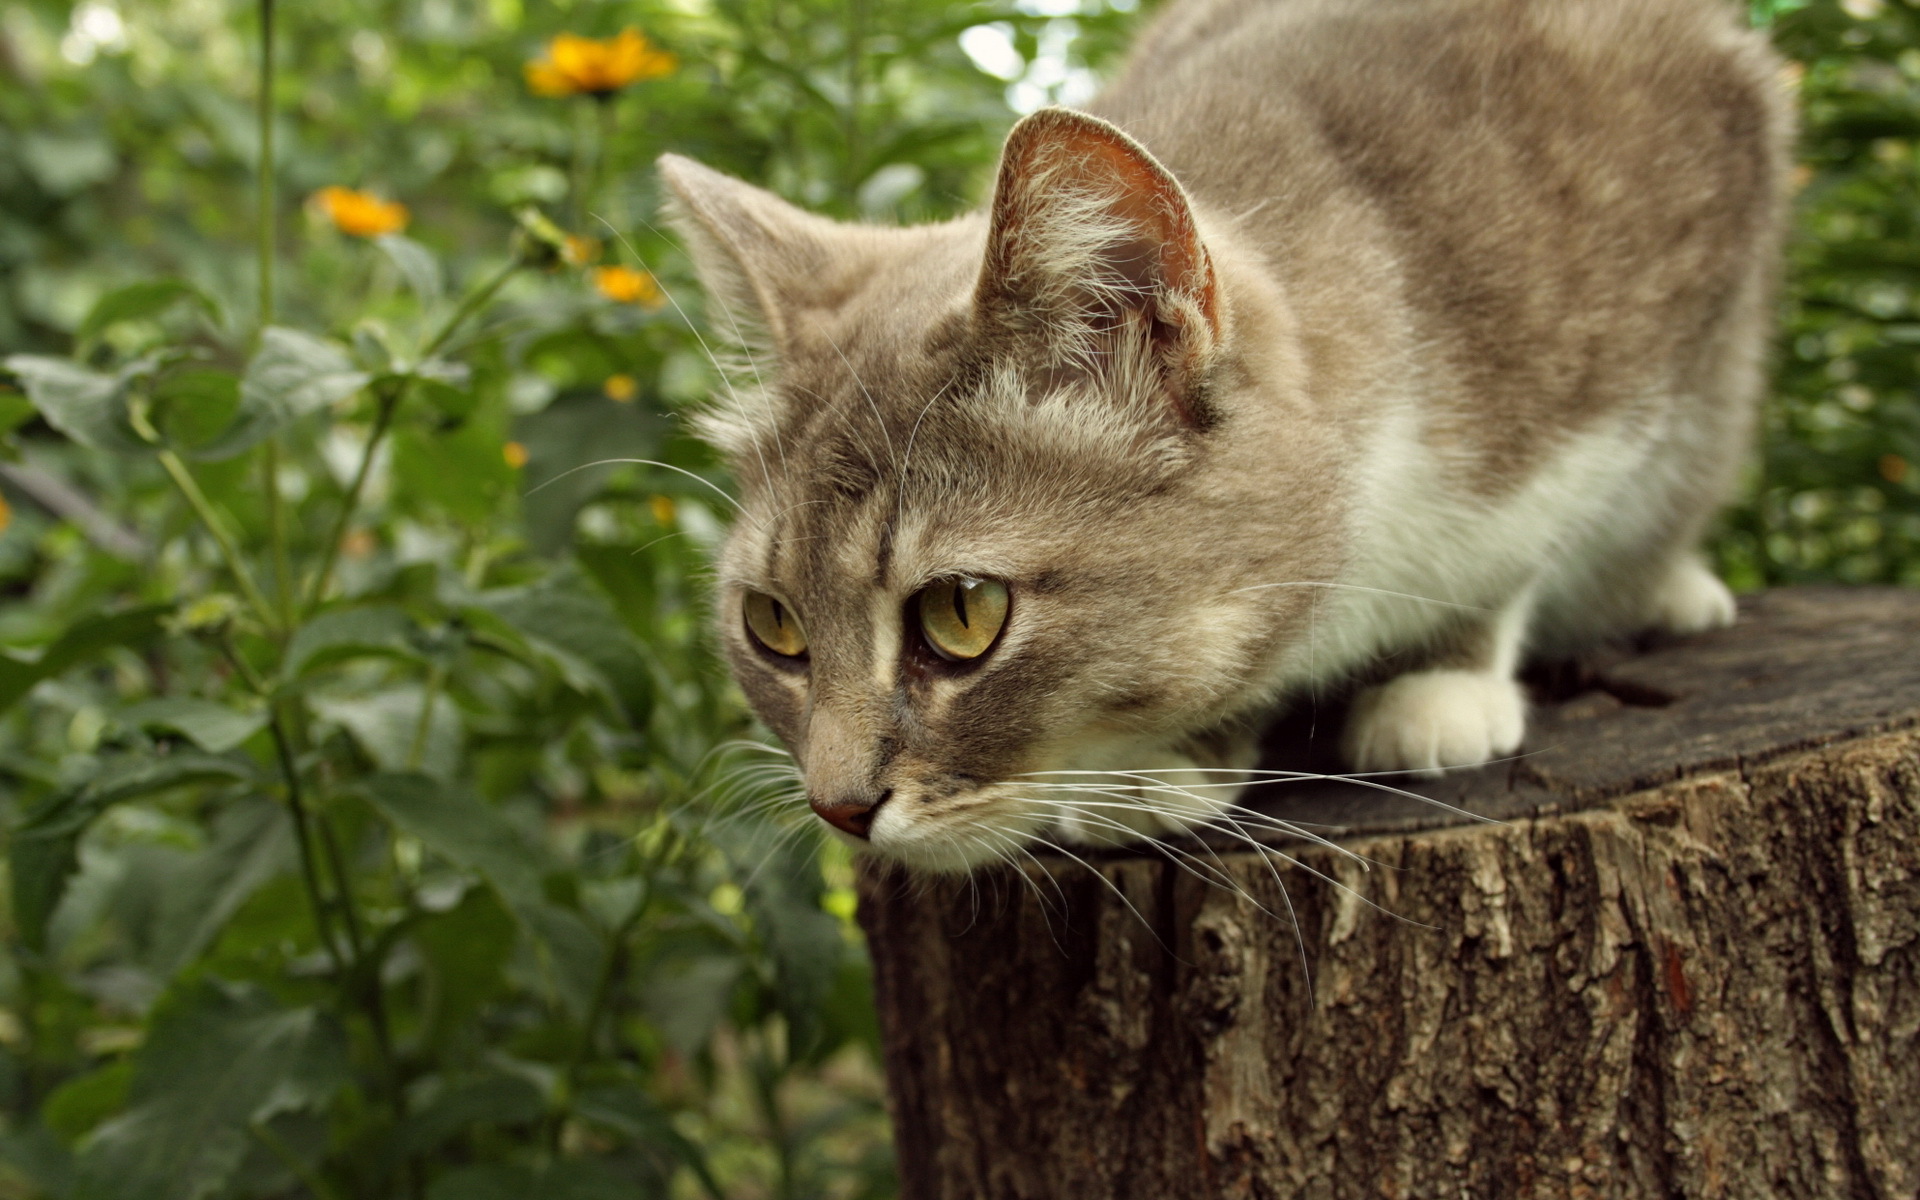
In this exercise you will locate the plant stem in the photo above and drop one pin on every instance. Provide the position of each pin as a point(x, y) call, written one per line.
point(417, 748)
point(229, 549)
point(856, 67)
point(389, 400)
point(309, 873)
point(292, 1162)
point(264, 174)
point(607, 112)
point(277, 532)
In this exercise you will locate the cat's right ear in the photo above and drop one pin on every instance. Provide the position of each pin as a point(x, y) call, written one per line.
point(1093, 249)
point(753, 251)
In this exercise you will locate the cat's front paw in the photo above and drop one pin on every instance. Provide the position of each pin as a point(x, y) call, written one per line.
point(1691, 599)
point(1428, 721)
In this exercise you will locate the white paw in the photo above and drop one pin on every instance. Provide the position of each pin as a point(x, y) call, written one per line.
point(1691, 599)
point(1430, 720)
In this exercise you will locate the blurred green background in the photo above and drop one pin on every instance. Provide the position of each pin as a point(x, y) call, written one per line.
point(379, 822)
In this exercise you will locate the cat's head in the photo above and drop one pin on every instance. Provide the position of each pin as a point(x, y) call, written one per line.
point(978, 539)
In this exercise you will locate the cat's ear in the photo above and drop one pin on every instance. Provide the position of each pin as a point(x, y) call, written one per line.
point(755, 253)
point(1093, 247)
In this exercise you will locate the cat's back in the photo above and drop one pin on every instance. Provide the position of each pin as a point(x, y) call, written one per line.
point(1563, 190)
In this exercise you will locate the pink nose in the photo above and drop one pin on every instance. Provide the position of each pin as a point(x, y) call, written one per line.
point(848, 816)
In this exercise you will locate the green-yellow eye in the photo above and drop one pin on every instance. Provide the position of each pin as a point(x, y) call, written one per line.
point(774, 626)
point(962, 617)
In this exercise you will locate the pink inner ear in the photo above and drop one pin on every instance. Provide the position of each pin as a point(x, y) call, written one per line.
point(1070, 152)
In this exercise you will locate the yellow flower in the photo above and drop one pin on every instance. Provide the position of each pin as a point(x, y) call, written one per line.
point(6, 515)
point(580, 251)
point(576, 65)
point(620, 388)
point(361, 214)
point(628, 286)
point(662, 507)
point(515, 454)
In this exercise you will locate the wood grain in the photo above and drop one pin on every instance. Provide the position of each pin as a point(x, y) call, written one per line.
point(1685, 962)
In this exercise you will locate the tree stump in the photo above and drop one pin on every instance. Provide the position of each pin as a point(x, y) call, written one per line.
point(1683, 961)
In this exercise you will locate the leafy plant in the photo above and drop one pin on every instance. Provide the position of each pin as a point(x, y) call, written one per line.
point(378, 821)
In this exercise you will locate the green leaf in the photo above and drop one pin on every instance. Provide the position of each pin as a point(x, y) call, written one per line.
point(489, 1100)
point(252, 842)
point(458, 827)
point(292, 375)
point(571, 433)
point(806, 942)
point(385, 723)
point(43, 852)
point(345, 633)
point(83, 1102)
point(576, 627)
point(467, 949)
point(15, 410)
point(145, 299)
point(81, 641)
point(191, 407)
point(560, 1179)
point(214, 728)
point(631, 1110)
point(218, 1061)
point(416, 263)
point(87, 406)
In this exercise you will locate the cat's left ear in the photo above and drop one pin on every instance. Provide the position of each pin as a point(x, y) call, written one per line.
point(1093, 248)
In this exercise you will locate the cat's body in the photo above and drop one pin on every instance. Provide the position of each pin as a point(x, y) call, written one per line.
point(1404, 337)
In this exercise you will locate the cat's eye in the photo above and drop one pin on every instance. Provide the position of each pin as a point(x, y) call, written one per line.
point(961, 618)
point(774, 626)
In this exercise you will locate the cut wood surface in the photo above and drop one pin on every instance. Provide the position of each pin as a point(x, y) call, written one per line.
point(1684, 961)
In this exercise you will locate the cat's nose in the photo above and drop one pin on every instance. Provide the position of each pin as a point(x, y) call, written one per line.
point(849, 815)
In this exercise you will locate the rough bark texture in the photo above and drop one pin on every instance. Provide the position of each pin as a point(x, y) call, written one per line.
point(1686, 963)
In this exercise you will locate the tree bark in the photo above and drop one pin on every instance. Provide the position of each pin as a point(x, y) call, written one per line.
point(1684, 962)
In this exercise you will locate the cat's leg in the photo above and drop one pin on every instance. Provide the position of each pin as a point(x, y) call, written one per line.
point(1689, 598)
point(1463, 708)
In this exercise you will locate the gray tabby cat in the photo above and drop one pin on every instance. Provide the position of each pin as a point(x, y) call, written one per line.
point(1378, 341)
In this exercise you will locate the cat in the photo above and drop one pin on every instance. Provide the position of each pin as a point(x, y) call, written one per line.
point(1376, 341)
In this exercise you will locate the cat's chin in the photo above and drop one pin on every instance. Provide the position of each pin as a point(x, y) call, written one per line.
point(1105, 810)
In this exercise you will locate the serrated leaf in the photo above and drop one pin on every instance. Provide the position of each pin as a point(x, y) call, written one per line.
point(218, 1060)
point(87, 406)
point(44, 845)
point(252, 842)
point(416, 263)
point(632, 1111)
point(145, 299)
point(489, 1100)
point(82, 640)
point(576, 626)
point(457, 826)
point(352, 633)
point(292, 375)
point(386, 722)
point(215, 728)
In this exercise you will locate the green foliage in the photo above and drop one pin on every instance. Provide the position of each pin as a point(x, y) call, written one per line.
point(378, 820)
point(1837, 492)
